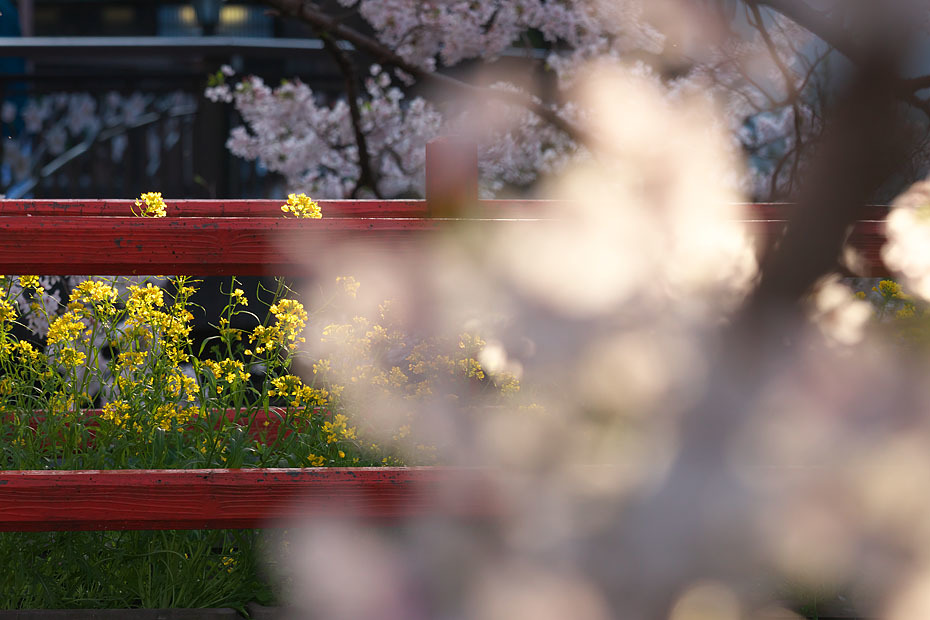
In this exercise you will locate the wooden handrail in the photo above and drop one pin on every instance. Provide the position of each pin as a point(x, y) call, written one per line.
point(253, 238)
point(34, 501)
point(332, 209)
point(489, 209)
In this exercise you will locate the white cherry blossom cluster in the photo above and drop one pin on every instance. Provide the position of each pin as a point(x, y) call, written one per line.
point(907, 251)
point(309, 139)
point(515, 146)
point(452, 31)
point(311, 142)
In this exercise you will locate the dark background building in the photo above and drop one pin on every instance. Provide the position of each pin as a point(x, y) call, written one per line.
point(151, 68)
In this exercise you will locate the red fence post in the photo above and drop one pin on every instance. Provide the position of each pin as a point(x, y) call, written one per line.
point(451, 176)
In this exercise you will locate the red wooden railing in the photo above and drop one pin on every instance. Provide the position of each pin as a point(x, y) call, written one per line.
point(251, 238)
point(33, 501)
point(248, 237)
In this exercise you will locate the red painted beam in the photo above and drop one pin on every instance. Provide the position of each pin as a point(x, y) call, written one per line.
point(213, 208)
point(88, 245)
point(782, 210)
point(33, 501)
point(343, 208)
point(266, 208)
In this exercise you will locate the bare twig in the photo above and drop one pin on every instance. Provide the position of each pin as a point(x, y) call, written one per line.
point(792, 95)
point(817, 23)
point(758, 24)
point(834, 34)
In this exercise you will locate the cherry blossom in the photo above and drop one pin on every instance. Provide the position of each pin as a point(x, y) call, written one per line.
point(758, 75)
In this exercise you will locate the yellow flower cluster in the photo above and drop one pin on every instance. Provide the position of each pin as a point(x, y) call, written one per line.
point(301, 206)
point(393, 378)
point(889, 289)
point(100, 296)
point(31, 282)
point(130, 360)
point(293, 389)
point(66, 328)
point(291, 318)
point(176, 336)
point(349, 284)
point(24, 351)
point(145, 320)
point(7, 311)
point(117, 412)
point(169, 417)
point(402, 432)
point(146, 333)
point(144, 299)
point(154, 205)
point(181, 386)
point(228, 333)
point(381, 355)
point(229, 370)
point(72, 358)
point(338, 429)
point(471, 368)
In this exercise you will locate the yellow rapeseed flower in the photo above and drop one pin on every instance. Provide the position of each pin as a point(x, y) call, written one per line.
point(239, 297)
point(72, 358)
point(154, 205)
point(31, 282)
point(889, 289)
point(7, 311)
point(349, 284)
point(99, 295)
point(301, 206)
point(117, 412)
point(293, 389)
point(291, 317)
point(168, 417)
point(338, 429)
point(65, 328)
point(229, 370)
point(26, 351)
point(290, 321)
point(181, 386)
point(143, 299)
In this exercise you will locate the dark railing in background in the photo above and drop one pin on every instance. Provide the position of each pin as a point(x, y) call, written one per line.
point(178, 150)
point(175, 145)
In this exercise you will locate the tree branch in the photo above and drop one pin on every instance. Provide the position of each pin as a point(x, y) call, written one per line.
point(817, 23)
point(758, 24)
point(367, 176)
point(831, 32)
point(310, 13)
